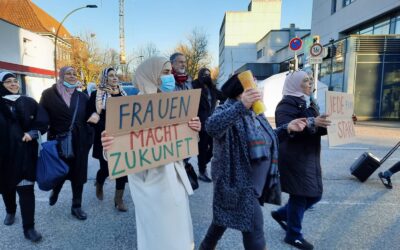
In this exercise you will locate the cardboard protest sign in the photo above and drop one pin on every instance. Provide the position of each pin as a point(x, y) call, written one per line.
point(150, 130)
point(340, 108)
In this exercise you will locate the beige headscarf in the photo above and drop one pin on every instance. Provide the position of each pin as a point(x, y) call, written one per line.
point(148, 74)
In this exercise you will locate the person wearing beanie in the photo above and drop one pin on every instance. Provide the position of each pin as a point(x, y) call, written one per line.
point(299, 161)
point(244, 165)
point(23, 119)
point(109, 87)
point(60, 102)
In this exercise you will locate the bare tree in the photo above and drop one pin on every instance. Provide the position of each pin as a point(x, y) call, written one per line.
point(195, 51)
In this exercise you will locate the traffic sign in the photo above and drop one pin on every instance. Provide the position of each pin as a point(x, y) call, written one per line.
point(315, 60)
point(295, 44)
point(316, 50)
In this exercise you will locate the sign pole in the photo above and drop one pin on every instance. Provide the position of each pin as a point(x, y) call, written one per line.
point(316, 79)
point(296, 62)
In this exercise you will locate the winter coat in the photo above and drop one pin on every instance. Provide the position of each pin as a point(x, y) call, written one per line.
point(82, 134)
point(299, 155)
point(205, 109)
point(233, 203)
point(98, 127)
point(19, 163)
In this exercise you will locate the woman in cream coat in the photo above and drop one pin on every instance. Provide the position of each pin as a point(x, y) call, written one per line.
point(160, 194)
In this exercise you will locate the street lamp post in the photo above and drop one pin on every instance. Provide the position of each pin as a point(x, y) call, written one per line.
point(58, 30)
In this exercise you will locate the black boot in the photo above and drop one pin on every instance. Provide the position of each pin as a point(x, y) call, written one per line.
point(32, 235)
point(10, 219)
point(78, 213)
point(53, 198)
point(385, 179)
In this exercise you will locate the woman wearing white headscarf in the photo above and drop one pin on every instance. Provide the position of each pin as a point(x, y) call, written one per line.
point(160, 194)
point(299, 156)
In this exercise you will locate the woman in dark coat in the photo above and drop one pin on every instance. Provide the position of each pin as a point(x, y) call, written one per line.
point(60, 101)
point(208, 100)
point(108, 88)
point(245, 156)
point(299, 157)
point(23, 119)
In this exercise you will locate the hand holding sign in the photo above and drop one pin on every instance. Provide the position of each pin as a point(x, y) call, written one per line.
point(195, 124)
point(106, 140)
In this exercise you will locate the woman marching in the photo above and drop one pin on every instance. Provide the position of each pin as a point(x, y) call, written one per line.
point(23, 119)
point(109, 87)
point(299, 161)
point(160, 194)
point(245, 152)
point(60, 101)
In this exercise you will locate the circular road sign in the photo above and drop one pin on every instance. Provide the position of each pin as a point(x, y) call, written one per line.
point(295, 44)
point(316, 49)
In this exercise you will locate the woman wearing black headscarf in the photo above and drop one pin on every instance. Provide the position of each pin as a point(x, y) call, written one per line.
point(60, 101)
point(109, 87)
point(22, 119)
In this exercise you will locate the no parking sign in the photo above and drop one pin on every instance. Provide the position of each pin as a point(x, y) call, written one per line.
point(295, 44)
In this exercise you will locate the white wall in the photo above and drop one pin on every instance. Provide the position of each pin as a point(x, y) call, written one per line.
point(241, 32)
point(329, 26)
point(25, 48)
point(38, 51)
point(9, 43)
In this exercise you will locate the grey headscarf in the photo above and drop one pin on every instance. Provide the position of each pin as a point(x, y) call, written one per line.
point(292, 85)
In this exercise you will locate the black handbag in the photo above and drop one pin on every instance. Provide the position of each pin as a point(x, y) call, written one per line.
point(192, 176)
point(64, 140)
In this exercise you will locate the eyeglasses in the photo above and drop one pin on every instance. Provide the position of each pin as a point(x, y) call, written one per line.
point(11, 81)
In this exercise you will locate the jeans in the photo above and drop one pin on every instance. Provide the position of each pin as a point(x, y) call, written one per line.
point(293, 213)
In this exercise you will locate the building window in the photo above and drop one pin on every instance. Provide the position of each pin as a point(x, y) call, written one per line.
point(381, 28)
point(260, 53)
point(397, 26)
point(347, 2)
point(333, 7)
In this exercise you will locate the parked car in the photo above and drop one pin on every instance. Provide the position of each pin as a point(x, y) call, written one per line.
point(129, 88)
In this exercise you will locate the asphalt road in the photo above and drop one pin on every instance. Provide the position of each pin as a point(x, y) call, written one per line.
point(351, 215)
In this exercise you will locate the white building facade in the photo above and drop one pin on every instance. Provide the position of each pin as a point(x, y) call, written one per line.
point(29, 55)
point(240, 31)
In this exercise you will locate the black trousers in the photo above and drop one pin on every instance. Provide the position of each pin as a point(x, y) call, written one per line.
point(26, 202)
point(205, 151)
point(103, 173)
point(253, 240)
point(77, 190)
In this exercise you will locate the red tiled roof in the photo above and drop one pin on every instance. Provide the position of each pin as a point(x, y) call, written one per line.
point(27, 15)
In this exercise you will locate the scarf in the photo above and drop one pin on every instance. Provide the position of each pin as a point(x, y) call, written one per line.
point(106, 91)
point(273, 174)
point(258, 150)
point(66, 93)
point(180, 78)
point(147, 75)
